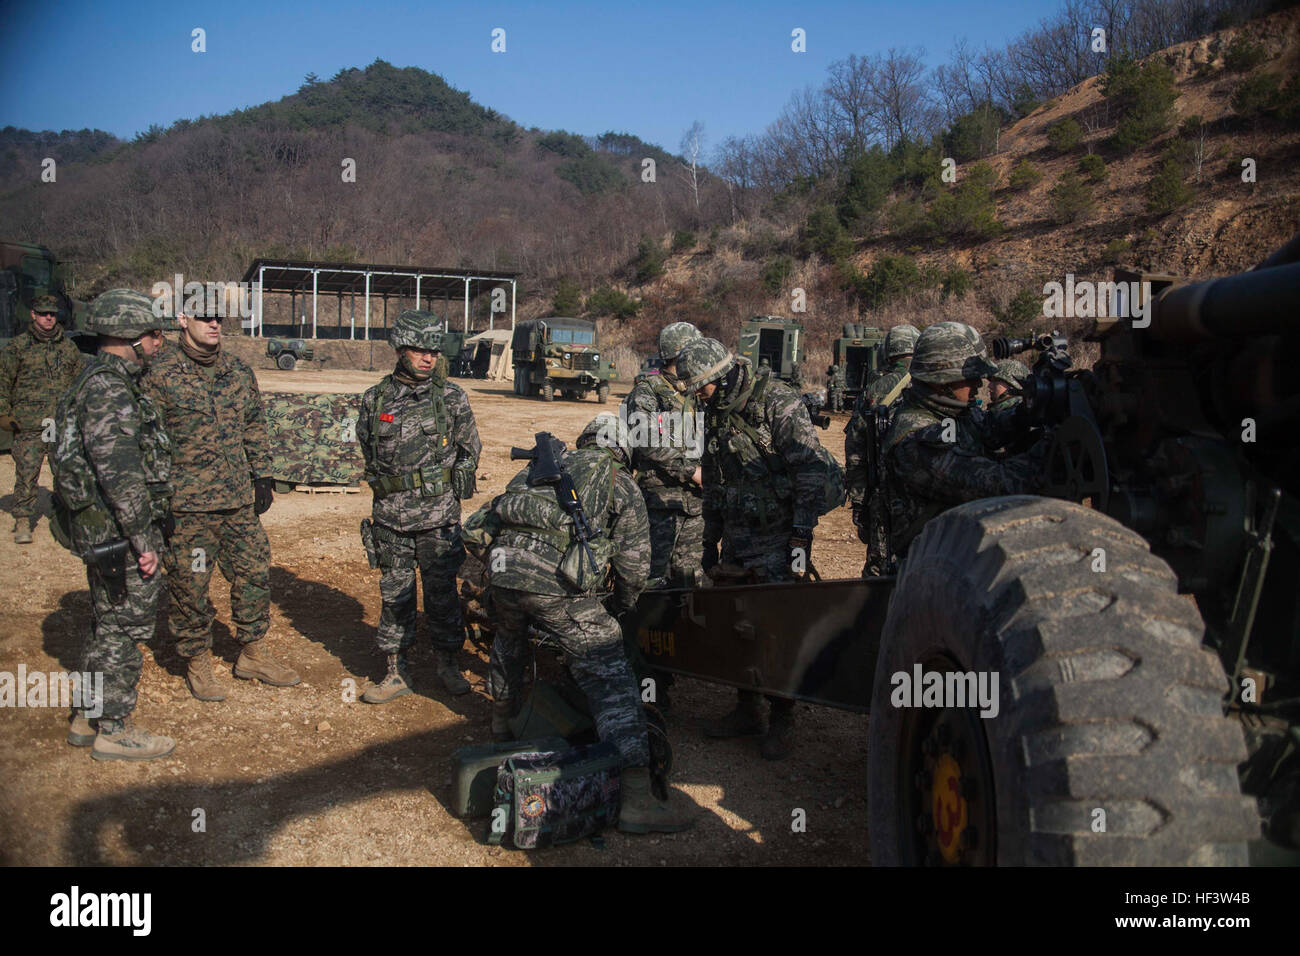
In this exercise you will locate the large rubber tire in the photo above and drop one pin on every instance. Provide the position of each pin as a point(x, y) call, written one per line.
point(518, 389)
point(1107, 701)
point(548, 392)
point(286, 361)
point(602, 393)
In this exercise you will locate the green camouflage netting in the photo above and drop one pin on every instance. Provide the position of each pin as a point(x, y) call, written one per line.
point(313, 437)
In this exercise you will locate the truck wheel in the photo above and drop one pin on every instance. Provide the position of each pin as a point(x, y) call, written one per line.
point(286, 361)
point(602, 393)
point(548, 392)
point(1108, 745)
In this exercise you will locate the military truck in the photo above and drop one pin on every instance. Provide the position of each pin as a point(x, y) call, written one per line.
point(861, 351)
point(288, 352)
point(772, 340)
point(560, 355)
point(1106, 676)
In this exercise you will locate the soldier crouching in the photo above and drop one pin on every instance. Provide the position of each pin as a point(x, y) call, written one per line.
point(530, 586)
point(421, 448)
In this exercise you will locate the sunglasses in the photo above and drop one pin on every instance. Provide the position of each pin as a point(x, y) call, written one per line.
point(206, 320)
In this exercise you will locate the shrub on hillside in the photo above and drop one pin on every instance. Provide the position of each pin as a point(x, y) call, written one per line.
point(955, 282)
point(1025, 175)
point(650, 258)
point(1065, 136)
point(1071, 198)
point(1094, 167)
point(968, 209)
point(1167, 191)
point(1242, 56)
point(890, 278)
point(870, 177)
point(590, 174)
point(683, 240)
point(1144, 98)
point(824, 234)
point(568, 297)
point(775, 273)
point(1257, 94)
point(612, 302)
point(1025, 307)
point(1115, 251)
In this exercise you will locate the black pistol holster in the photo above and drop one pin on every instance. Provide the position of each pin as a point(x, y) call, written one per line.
point(109, 559)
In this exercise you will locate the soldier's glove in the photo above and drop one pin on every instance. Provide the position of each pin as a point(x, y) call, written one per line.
point(8, 423)
point(710, 558)
point(863, 534)
point(263, 494)
point(800, 548)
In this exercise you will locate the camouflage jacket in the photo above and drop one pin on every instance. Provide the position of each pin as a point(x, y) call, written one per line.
point(664, 472)
point(125, 450)
point(856, 431)
point(1005, 403)
point(928, 475)
point(524, 560)
point(768, 487)
point(837, 377)
point(33, 374)
point(215, 421)
point(412, 438)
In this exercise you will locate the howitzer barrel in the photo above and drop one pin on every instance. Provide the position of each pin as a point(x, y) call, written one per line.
point(1261, 302)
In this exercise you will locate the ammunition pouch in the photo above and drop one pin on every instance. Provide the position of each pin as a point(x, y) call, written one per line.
point(368, 542)
point(431, 482)
point(576, 565)
point(109, 562)
point(463, 480)
point(480, 530)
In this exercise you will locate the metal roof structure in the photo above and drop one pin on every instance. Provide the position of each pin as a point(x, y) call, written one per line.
point(412, 286)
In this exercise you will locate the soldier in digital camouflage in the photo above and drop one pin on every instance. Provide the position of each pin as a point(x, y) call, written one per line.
point(938, 452)
point(111, 469)
point(35, 369)
point(885, 389)
point(836, 382)
point(1005, 384)
point(668, 466)
point(526, 587)
point(221, 471)
point(766, 480)
point(421, 449)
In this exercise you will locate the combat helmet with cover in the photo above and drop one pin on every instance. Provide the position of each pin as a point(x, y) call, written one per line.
point(900, 341)
point(603, 432)
point(950, 352)
point(703, 362)
point(416, 329)
point(1011, 371)
point(675, 337)
point(125, 314)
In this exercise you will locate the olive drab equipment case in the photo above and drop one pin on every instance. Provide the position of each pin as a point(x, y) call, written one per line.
point(548, 798)
point(474, 772)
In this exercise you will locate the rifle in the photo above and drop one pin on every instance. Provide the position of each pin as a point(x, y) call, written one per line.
point(547, 468)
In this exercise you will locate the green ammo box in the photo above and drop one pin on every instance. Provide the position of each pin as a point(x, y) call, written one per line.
point(475, 771)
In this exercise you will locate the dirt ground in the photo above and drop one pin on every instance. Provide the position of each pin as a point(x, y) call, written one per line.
point(298, 776)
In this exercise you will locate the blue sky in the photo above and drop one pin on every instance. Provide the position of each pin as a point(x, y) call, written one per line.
point(644, 68)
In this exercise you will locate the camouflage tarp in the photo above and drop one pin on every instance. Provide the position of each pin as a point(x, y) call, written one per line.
point(314, 437)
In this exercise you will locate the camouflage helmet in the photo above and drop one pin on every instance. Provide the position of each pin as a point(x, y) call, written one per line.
point(416, 329)
point(950, 352)
point(125, 314)
point(45, 304)
point(603, 431)
point(703, 361)
point(1012, 372)
point(674, 338)
point(900, 341)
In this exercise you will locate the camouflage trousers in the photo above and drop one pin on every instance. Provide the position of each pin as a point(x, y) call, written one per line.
point(29, 452)
point(235, 541)
point(437, 554)
point(676, 548)
point(115, 630)
point(593, 645)
point(767, 554)
point(835, 398)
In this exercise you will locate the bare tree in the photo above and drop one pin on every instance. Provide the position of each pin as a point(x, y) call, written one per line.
point(692, 147)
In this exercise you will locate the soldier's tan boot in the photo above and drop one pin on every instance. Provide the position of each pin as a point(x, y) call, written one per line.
point(502, 711)
point(395, 683)
point(202, 679)
point(81, 731)
point(641, 811)
point(256, 663)
point(22, 531)
point(450, 675)
point(746, 720)
point(122, 740)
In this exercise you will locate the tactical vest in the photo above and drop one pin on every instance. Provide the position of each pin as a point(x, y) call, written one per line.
point(432, 482)
point(753, 471)
point(532, 511)
point(82, 518)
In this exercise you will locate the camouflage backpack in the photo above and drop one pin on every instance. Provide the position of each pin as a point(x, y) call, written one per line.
point(81, 518)
point(543, 799)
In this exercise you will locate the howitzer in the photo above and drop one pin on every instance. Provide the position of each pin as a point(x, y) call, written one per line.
point(1183, 440)
point(547, 468)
